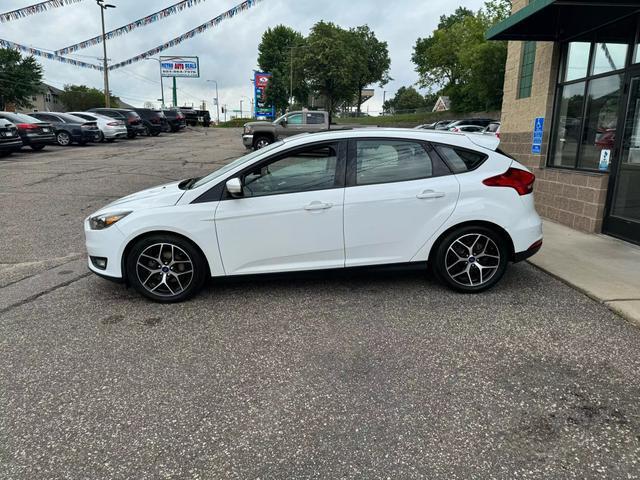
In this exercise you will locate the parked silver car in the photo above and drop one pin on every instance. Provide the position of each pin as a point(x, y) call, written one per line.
point(110, 128)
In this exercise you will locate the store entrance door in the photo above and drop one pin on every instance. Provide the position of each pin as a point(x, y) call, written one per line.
point(623, 206)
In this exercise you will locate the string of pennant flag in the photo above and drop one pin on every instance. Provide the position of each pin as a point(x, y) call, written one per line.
point(33, 9)
point(141, 22)
point(175, 8)
point(190, 34)
point(48, 55)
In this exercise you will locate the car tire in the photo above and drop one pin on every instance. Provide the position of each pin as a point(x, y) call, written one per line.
point(110, 140)
point(158, 267)
point(471, 259)
point(100, 138)
point(131, 135)
point(37, 148)
point(155, 134)
point(63, 138)
point(261, 141)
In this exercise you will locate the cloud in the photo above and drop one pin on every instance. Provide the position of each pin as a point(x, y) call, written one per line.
point(227, 52)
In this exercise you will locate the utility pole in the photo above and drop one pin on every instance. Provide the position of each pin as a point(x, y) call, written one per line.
point(241, 108)
point(217, 101)
point(105, 66)
point(161, 83)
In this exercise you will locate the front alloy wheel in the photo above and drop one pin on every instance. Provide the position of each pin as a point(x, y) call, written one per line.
point(471, 259)
point(63, 139)
point(166, 268)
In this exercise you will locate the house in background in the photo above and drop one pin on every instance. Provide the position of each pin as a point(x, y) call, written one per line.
point(442, 104)
point(48, 100)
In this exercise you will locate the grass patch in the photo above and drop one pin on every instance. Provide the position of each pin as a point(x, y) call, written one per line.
point(235, 123)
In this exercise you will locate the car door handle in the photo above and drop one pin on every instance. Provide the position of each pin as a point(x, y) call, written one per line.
point(318, 206)
point(430, 194)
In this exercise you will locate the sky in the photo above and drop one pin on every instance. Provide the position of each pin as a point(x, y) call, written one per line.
point(227, 52)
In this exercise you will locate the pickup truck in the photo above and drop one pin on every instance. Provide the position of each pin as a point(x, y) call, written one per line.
point(258, 135)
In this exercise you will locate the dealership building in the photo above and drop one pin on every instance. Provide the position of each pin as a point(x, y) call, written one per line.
point(571, 109)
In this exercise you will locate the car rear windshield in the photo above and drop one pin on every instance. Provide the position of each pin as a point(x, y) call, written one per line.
point(70, 118)
point(21, 118)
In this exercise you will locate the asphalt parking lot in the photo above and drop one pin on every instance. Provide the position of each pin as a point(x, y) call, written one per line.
point(342, 375)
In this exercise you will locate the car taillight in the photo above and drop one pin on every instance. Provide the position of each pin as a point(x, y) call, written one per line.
point(455, 129)
point(114, 124)
point(517, 179)
point(27, 126)
point(155, 120)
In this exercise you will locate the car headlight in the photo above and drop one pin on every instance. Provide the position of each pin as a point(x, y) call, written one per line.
point(100, 222)
point(247, 129)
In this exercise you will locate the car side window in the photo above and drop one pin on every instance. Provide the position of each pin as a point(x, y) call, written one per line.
point(295, 119)
point(385, 161)
point(315, 118)
point(303, 170)
point(460, 160)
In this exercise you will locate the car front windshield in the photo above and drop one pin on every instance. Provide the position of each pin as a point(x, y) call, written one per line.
point(236, 163)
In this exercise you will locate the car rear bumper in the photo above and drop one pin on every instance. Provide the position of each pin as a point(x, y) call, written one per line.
point(12, 145)
point(39, 139)
point(529, 252)
point(115, 132)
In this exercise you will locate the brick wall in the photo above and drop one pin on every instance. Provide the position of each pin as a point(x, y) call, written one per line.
point(575, 199)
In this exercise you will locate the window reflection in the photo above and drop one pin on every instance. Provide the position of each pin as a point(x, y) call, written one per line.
point(567, 133)
point(609, 57)
point(603, 99)
point(577, 60)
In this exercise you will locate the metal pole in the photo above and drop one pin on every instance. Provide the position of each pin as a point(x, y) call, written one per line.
point(291, 77)
point(241, 109)
point(161, 83)
point(217, 104)
point(107, 96)
point(175, 94)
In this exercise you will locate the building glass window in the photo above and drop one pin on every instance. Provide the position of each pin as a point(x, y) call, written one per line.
point(569, 120)
point(637, 55)
point(526, 69)
point(577, 60)
point(601, 120)
point(609, 57)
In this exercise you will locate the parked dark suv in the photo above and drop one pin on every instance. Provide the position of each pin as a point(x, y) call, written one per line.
point(154, 121)
point(33, 132)
point(176, 119)
point(70, 129)
point(131, 119)
point(194, 117)
point(9, 139)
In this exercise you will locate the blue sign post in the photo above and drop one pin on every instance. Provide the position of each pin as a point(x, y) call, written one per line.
point(538, 130)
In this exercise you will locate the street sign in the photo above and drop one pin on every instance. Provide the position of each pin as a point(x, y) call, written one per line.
point(262, 110)
point(538, 131)
point(179, 67)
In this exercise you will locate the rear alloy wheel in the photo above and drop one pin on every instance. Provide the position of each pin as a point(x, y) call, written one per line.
point(471, 259)
point(165, 268)
point(100, 137)
point(63, 139)
point(261, 141)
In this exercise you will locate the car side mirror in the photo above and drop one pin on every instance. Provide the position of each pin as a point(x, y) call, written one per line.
point(283, 122)
point(234, 187)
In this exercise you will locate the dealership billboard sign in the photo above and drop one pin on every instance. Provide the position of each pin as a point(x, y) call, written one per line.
point(262, 109)
point(179, 67)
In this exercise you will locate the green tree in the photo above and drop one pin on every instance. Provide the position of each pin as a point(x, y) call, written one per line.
point(372, 60)
point(328, 63)
point(19, 79)
point(81, 97)
point(457, 58)
point(406, 99)
point(279, 47)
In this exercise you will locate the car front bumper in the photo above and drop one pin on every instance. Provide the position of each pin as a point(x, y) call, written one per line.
point(247, 140)
point(107, 243)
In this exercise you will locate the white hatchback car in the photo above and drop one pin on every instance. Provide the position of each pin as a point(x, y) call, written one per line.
point(322, 201)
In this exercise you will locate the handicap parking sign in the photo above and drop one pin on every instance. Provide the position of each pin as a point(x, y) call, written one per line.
point(538, 130)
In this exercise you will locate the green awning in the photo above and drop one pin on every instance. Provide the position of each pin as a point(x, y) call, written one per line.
point(559, 20)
